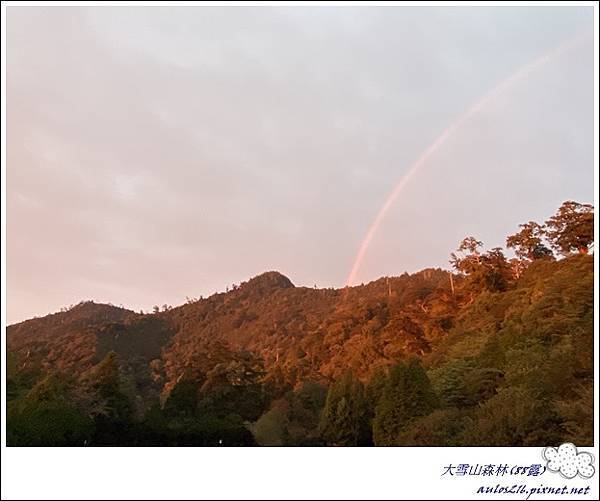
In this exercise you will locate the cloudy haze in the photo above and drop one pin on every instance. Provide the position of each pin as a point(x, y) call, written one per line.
point(156, 153)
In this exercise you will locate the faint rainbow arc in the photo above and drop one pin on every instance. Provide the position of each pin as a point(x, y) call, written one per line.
point(441, 139)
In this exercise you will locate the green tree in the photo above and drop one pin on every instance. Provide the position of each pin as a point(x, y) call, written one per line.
point(577, 414)
point(373, 393)
point(449, 383)
point(105, 401)
point(375, 387)
point(513, 417)
point(21, 375)
point(441, 428)
point(235, 387)
point(183, 399)
point(571, 228)
point(343, 420)
point(271, 428)
point(47, 416)
point(408, 394)
point(106, 381)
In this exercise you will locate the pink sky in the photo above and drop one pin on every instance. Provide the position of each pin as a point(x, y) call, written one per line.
point(159, 153)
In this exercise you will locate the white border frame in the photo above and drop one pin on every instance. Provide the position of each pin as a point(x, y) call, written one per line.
point(264, 473)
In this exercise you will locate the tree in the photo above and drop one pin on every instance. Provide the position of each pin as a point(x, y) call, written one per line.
point(441, 428)
point(577, 414)
point(485, 271)
point(470, 260)
point(272, 427)
point(571, 228)
point(343, 420)
point(407, 394)
point(183, 399)
point(513, 417)
point(496, 271)
point(294, 419)
point(373, 392)
point(111, 408)
point(106, 380)
point(234, 386)
point(20, 376)
point(449, 383)
point(47, 416)
point(528, 243)
point(375, 387)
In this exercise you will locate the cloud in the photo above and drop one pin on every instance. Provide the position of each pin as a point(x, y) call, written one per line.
point(568, 462)
point(154, 153)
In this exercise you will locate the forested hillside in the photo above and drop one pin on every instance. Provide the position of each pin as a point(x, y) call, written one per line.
point(496, 351)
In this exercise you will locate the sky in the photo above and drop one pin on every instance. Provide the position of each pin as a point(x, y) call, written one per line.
point(155, 153)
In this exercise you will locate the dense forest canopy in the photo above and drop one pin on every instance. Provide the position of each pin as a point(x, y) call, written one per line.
point(496, 351)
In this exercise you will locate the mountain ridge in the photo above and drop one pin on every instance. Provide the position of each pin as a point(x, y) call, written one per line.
point(301, 339)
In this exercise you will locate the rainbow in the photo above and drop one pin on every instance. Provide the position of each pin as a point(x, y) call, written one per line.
point(441, 139)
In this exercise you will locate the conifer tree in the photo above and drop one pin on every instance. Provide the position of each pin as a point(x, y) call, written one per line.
point(344, 419)
point(407, 394)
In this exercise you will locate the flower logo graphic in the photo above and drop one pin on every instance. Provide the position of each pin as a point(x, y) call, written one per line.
point(568, 462)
